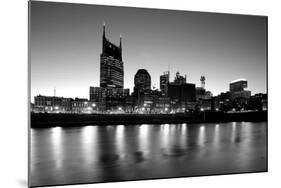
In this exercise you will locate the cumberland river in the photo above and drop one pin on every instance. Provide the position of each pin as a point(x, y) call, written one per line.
point(116, 153)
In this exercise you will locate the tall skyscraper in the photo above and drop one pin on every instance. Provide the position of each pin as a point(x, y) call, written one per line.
point(111, 94)
point(164, 82)
point(111, 64)
point(142, 80)
point(142, 88)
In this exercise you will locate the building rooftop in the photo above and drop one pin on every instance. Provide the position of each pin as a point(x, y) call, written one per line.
point(238, 80)
point(142, 71)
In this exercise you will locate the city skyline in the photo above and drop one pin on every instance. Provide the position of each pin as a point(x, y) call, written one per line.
point(66, 48)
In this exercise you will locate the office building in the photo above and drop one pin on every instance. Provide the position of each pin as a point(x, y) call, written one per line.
point(111, 64)
point(142, 80)
point(164, 82)
point(237, 89)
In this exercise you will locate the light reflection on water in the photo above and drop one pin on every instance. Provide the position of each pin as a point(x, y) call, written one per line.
point(112, 153)
point(233, 132)
point(56, 138)
point(120, 140)
point(183, 137)
point(143, 139)
point(217, 134)
point(89, 144)
point(201, 137)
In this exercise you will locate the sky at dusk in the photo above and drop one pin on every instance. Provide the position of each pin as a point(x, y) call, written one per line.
point(66, 43)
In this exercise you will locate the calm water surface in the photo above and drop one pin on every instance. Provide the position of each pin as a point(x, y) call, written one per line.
point(116, 153)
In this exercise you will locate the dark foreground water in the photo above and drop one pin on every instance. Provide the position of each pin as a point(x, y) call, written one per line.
point(116, 153)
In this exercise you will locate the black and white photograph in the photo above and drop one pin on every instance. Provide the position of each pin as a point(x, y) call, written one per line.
point(122, 93)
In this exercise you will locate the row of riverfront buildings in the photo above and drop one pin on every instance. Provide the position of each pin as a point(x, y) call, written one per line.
point(177, 96)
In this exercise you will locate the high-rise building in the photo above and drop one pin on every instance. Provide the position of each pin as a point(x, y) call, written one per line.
point(111, 94)
point(164, 82)
point(184, 92)
point(182, 95)
point(142, 80)
point(238, 85)
point(142, 88)
point(111, 64)
point(237, 89)
point(179, 79)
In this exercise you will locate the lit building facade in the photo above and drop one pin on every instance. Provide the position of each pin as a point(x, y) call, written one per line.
point(81, 105)
point(52, 104)
point(111, 64)
point(111, 95)
point(237, 90)
point(99, 93)
point(182, 95)
point(164, 82)
point(109, 98)
point(238, 85)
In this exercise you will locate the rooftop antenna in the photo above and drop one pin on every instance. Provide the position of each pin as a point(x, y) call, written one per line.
point(103, 38)
point(54, 91)
point(120, 46)
point(104, 29)
point(169, 73)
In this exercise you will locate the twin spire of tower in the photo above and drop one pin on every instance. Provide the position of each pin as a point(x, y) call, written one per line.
point(104, 38)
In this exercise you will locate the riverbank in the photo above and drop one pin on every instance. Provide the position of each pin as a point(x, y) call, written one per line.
point(70, 120)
